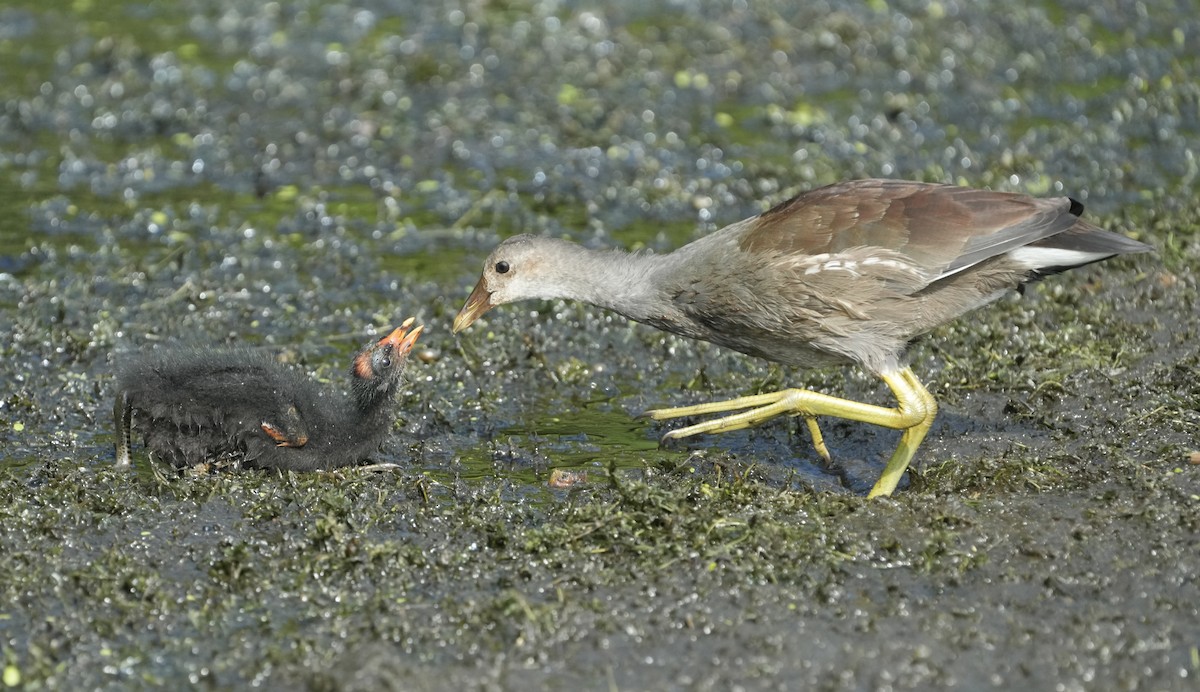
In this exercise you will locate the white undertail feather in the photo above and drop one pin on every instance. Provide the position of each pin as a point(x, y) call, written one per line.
point(1035, 257)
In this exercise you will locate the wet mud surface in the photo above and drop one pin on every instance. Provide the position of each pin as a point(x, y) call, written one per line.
point(299, 177)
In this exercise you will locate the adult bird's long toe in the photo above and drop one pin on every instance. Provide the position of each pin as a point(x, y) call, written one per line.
point(848, 273)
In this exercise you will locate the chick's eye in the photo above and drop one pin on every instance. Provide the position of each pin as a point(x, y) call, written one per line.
point(502, 267)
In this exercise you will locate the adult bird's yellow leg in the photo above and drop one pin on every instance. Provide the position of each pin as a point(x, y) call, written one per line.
point(914, 415)
point(915, 400)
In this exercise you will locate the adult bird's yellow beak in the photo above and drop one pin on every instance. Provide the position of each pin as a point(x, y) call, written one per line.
point(479, 302)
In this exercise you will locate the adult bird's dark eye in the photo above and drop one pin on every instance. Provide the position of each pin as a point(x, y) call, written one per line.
point(502, 267)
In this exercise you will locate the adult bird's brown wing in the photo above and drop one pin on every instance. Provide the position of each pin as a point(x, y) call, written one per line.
point(941, 229)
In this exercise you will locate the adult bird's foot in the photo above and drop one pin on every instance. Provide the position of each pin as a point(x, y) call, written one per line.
point(914, 415)
point(762, 407)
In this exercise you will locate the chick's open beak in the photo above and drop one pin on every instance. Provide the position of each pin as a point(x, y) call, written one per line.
point(401, 340)
point(479, 302)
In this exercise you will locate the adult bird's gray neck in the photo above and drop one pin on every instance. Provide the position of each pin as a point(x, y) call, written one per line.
point(631, 284)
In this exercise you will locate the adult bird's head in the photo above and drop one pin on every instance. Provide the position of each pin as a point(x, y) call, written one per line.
point(524, 266)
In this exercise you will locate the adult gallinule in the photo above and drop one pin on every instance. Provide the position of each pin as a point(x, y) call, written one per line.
point(848, 273)
point(197, 405)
